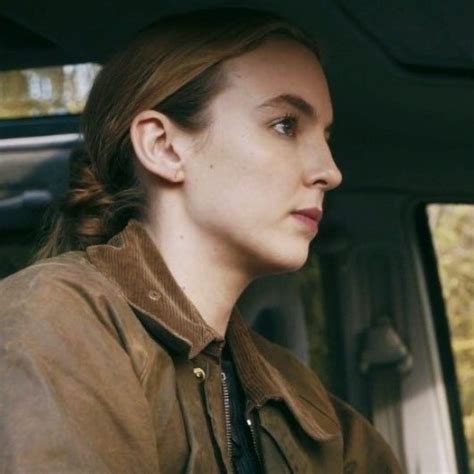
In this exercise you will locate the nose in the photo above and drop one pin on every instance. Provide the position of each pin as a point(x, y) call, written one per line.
point(323, 170)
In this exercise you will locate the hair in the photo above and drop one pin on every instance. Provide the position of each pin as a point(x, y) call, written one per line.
point(173, 66)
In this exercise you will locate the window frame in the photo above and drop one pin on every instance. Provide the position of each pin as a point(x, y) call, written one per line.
point(39, 126)
point(441, 327)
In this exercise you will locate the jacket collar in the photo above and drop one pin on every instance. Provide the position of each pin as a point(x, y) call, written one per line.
point(133, 262)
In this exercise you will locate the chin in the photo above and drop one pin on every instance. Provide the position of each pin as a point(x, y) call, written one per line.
point(272, 255)
point(287, 261)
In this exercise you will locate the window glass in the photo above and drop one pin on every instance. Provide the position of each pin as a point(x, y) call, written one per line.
point(45, 91)
point(452, 227)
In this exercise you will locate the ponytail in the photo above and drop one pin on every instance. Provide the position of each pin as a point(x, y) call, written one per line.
point(89, 213)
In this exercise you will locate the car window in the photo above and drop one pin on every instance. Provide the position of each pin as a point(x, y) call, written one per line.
point(45, 91)
point(452, 228)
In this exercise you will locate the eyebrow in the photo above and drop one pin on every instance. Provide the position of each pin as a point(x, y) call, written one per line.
point(297, 102)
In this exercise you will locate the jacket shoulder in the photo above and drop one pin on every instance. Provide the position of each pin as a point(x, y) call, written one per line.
point(67, 373)
point(62, 292)
point(72, 266)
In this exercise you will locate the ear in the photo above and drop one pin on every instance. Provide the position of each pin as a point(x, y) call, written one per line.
point(152, 134)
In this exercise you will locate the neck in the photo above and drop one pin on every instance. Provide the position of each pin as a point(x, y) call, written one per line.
point(208, 278)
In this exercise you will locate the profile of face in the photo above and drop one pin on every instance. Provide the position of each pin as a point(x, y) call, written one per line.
point(264, 156)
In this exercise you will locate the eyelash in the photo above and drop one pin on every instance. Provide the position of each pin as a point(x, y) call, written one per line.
point(293, 119)
point(288, 119)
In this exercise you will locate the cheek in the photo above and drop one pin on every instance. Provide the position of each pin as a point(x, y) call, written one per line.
point(242, 182)
point(254, 189)
point(252, 207)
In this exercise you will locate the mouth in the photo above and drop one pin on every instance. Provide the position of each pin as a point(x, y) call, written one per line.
point(310, 218)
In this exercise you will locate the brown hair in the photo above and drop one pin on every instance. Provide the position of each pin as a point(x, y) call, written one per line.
point(173, 66)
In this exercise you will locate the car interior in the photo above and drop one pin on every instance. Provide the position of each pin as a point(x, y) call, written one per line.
point(371, 309)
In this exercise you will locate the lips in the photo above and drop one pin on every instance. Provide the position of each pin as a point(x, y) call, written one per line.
point(309, 218)
point(313, 213)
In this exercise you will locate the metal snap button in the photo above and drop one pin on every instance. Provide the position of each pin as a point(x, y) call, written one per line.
point(199, 373)
point(154, 295)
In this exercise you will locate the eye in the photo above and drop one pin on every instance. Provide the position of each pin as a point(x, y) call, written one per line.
point(287, 125)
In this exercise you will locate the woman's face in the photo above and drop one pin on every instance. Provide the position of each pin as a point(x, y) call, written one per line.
point(264, 156)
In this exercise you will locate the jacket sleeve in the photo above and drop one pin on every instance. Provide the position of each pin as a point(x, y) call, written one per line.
point(365, 451)
point(70, 401)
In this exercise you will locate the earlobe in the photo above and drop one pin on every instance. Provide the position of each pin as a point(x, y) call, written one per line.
point(179, 176)
point(151, 134)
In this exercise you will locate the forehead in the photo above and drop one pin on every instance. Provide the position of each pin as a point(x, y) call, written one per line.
point(279, 66)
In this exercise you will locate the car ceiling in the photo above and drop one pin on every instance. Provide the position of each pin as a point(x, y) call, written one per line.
point(401, 74)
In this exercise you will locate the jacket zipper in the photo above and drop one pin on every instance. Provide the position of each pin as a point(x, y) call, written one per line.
point(253, 435)
point(228, 428)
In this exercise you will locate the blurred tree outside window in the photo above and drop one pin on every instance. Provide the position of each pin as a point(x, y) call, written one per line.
point(54, 90)
point(452, 227)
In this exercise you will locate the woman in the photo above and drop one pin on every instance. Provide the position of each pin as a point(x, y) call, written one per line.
point(205, 146)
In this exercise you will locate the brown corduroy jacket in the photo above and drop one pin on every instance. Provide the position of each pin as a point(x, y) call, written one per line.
point(107, 367)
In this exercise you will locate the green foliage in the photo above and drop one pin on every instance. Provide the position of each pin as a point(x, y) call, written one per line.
point(453, 237)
